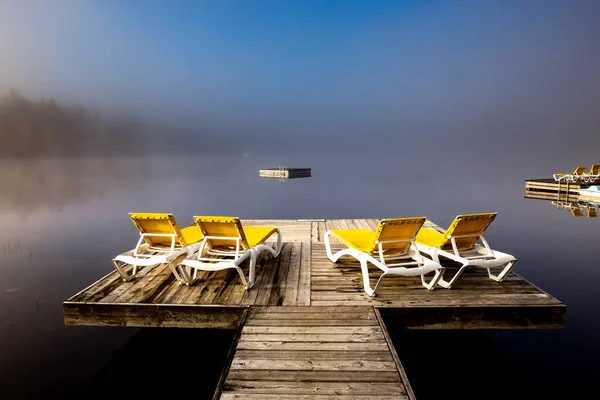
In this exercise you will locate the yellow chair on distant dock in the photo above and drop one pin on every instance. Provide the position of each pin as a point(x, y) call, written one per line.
point(591, 211)
point(460, 243)
point(578, 173)
point(593, 175)
point(576, 211)
point(390, 248)
point(226, 244)
point(161, 241)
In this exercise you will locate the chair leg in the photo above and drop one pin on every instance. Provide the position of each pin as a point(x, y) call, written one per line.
point(243, 278)
point(448, 284)
point(365, 274)
point(500, 277)
point(439, 273)
point(377, 284)
point(183, 277)
point(251, 270)
point(121, 271)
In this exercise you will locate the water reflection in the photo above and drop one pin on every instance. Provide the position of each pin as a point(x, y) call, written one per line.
point(53, 183)
point(578, 209)
point(63, 220)
point(576, 205)
point(156, 361)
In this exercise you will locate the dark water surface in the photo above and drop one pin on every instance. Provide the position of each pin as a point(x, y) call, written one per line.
point(63, 220)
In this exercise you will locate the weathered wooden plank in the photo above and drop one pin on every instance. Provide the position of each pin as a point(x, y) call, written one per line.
point(311, 329)
point(373, 223)
point(300, 337)
point(226, 287)
point(267, 286)
point(318, 322)
point(263, 396)
point(139, 277)
point(283, 315)
point(343, 224)
point(304, 283)
point(335, 223)
point(267, 311)
point(143, 288)
point(306, 346)
point(314, 232)
point(313, 365)
point(314, 376)
point(200, 287)
point(164, 295)
point(280, 282)
point(363, 224)
point(149, 315)
point(293, 277)
point(313, 355)
point(100, 288)
point(322, 229)
point(441, 299)
point(312, 388)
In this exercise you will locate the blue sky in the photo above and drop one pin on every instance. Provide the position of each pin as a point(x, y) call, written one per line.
point(299, 66)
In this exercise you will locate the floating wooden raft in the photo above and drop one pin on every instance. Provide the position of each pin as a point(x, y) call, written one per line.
point(284, 172)
point(303, 276)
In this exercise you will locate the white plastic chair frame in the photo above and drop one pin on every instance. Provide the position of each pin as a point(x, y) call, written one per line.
point(481, 256)
point(424, 265)
point(591, 178)
point(217, 264)
point(565, 177)
point(144, 255)
point(573, 178)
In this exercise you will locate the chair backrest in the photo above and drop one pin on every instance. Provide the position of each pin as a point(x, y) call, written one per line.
point(400, 232)
point(594, 169)
point(158, 223)
point(229, 227)
point(472, 226)
point(579, 170)
point(576, 211)
point(592, 212)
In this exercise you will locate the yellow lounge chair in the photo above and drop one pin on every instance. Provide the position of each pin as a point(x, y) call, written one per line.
point(576, 211)
point(161, 241)
point(393, 241)
point(227, 244)
point(459, 243)
point(591, 211)
point(593, 175)
point(577, 174)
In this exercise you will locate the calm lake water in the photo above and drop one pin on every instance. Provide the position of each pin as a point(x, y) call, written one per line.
point(63, 220)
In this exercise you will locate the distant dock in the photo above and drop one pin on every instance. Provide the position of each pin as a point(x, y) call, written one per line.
point(284, 172)
point(549, 189)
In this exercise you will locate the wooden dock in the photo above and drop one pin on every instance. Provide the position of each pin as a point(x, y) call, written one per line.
point(284, 173)
point(549, 189)
point(301, 303)
point(314, 353)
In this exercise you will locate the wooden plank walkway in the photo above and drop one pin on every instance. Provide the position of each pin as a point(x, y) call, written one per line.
point(303, 276)
point(314, 353)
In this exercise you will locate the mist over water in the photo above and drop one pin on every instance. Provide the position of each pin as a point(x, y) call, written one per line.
point(409, 108)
